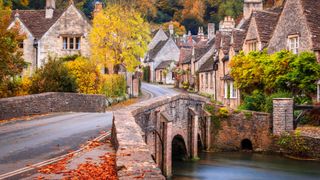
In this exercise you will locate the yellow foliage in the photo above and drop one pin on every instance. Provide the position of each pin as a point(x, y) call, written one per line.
point(88, 77)
point(119, 37)
point(113, 85)
point(178, 28)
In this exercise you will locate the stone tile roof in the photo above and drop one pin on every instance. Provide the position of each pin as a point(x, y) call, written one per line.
point(312, 12)
point(266, 22)
point(36, 21)
point(185, 55)
point(238, 36)
point(153, 52)
point(164, 64)
point(208, 65)
point(223, 41)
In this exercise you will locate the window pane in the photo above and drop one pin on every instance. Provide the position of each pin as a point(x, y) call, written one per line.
point(78, 43)
point(71, 43)
point(65, 43)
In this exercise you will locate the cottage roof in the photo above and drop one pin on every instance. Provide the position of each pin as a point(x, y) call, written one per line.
point(164, 64)
point(154, 52)
point(223, 40)
point(312, 14)
point(208, 65)
point(266, 22)
point(185, 55)
point(36, 21)
point(238, 39)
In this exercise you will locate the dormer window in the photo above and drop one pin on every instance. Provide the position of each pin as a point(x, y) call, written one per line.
point(71, 43)
point(252, 46)
point(293, 43)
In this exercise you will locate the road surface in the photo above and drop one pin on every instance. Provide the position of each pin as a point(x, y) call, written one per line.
point(28, 142)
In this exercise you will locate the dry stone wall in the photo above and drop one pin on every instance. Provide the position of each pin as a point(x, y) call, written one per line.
point(50, 102)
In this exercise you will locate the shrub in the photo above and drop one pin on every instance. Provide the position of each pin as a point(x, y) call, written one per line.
point(268, 105)
point(114, 85)
point(293, 144)
point(223, 112)
point(15, 87)
point(53, 77)
point(87, 75)
point(254, 102)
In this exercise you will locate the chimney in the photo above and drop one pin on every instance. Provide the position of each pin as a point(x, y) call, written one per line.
point(50, 7)
point(251, 5)
point(211, 31)
point(228, 24)
point(171, 29)
point(97, 8)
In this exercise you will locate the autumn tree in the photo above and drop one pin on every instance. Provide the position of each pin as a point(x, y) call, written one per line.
point(87, 75)
point(119, 37)
point(11, 61)
point(178, 28)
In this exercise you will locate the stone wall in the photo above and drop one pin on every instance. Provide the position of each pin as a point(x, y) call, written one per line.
point(50, 102)
point(254, 126)
point(282, 115)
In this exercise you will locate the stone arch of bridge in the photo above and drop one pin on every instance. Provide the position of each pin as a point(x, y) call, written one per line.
point(179, 148)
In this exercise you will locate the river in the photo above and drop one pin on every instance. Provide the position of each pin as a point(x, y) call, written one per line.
point(246, 166)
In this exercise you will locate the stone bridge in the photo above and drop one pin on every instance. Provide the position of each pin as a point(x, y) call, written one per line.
point(148, 135)
point(154, 131)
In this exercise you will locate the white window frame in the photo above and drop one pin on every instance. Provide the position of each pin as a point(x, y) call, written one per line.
point(293, 43)
point(252, 45)
point(226, 84)
point(71, 43)
point(233, 91)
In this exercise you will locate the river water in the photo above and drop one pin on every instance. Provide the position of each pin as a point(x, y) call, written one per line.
point(246, 166)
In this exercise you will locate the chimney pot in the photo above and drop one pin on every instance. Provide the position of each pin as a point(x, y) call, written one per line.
point(251, 5)
point(97, 8)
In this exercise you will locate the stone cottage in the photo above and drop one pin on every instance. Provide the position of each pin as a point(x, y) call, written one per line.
point(214, 74)
point(51, 32)
point(298, 29)
point(162, 56)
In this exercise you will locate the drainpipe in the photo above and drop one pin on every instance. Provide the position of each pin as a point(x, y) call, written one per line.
point(35, 45)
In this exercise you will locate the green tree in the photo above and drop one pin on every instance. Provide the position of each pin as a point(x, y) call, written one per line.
point(53, 77)
point(119, 37)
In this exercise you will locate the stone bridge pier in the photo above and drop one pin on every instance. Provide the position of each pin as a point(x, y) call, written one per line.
point(172, 128)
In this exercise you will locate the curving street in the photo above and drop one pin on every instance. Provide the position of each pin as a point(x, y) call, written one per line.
point(26, 142)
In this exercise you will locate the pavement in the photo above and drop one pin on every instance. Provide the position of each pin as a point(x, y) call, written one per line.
point(28, 142)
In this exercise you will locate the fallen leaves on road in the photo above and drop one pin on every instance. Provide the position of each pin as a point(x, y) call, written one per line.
point(56, 168)
point(88, 170)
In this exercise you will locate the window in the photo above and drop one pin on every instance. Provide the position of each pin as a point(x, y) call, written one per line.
point(202, 81)
point(207, 80)
point(229, 90)
point(233, 91)
point(71, 43)
point(211, 84)
point(252, 46)
point(293, 44)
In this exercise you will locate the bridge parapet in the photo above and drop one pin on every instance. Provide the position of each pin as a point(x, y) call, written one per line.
point(143, 134)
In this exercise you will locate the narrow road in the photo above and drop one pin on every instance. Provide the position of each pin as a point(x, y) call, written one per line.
point(28, 142)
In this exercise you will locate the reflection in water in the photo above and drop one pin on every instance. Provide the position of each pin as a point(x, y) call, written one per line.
point(245, 166)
